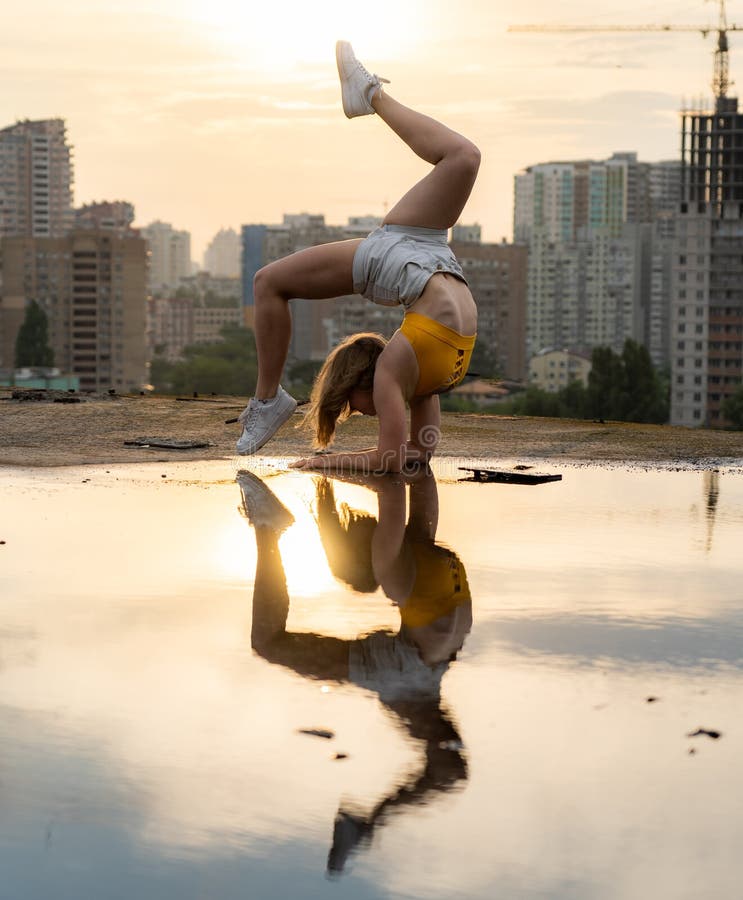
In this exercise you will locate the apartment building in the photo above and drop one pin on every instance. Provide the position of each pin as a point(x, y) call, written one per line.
point(222, 256)
point(600, 240)
point(170, 256)
point(92, 286)
point(707, 271)
point(36, 179)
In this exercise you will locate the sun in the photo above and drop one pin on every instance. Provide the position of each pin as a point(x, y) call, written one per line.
point(284, 35)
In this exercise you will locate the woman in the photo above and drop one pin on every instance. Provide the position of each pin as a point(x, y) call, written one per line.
point(406, 261)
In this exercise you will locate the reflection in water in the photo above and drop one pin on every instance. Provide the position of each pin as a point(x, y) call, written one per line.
point(398, 553)
point(712, 492)
point(147, 748)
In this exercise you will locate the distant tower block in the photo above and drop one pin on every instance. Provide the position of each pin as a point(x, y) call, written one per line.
point(468, 234)
point(35, 180)
point(707, 291)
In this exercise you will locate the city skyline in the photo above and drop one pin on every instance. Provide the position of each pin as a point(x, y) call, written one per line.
point(194, 112)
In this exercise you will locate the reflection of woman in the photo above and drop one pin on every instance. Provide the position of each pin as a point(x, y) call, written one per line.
point(428, 584)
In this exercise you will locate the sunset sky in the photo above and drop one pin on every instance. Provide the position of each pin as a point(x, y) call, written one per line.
point(215, 113)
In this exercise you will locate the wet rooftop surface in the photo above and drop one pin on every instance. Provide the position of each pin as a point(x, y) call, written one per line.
point(195, 702)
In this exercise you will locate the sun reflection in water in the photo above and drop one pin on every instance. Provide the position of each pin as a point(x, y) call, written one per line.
point(306, 568)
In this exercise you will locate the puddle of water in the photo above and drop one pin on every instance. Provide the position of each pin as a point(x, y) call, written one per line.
point(159, 656)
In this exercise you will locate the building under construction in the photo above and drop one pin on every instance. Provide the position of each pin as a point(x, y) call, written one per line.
point(707, 313)
point(706, 331)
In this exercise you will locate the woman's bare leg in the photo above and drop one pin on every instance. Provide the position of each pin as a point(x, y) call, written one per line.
point(438, 199)
point(317, 273)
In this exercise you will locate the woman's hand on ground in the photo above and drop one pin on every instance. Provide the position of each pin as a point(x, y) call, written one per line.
point(305, 463)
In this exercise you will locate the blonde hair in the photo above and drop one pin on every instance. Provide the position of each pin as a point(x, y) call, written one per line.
point(346, 536)
point(349, 365)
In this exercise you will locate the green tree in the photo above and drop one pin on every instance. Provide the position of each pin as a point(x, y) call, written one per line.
point(573, 400)
point(605, 384)
point(32, 344)
point(536, 402)
point(626, 387)
point(732, 407)
point(645, 395)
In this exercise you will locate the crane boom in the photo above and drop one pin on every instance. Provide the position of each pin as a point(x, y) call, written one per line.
point(721, 78)
point(704, 29)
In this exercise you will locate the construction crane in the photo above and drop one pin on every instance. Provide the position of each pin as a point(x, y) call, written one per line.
point(721, 79)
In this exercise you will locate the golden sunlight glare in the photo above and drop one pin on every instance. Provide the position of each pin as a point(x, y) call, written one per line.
point(281, 35)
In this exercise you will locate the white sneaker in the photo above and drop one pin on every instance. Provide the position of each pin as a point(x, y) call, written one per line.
point(358, 86)
point(260, 506)
point(261, 419)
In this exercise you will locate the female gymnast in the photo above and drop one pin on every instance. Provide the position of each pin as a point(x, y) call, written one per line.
point(405, 261)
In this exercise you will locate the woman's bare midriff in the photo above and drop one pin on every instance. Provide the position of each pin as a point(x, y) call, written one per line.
point(448, 300)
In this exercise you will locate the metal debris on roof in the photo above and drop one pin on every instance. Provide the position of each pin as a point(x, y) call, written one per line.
point(506, 477)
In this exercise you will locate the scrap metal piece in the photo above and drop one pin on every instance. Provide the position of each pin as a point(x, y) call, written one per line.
point(505, 477)
point(167, 443)
point(324, 733)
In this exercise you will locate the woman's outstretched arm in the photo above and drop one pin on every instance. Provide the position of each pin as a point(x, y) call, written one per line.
point(390, 453)
point(395, 375)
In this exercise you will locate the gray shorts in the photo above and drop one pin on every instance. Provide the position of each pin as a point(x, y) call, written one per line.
point(394, 263)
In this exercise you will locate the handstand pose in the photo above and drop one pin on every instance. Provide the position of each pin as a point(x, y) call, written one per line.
point(406, 261)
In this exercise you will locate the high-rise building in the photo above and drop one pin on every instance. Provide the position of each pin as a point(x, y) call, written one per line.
point(222, 256)
point(584, 293)
point(108, 215)
point(170, 256)
point(467, 234)
point(599, 248)
point(169, 326)
point(212, 289)
point(174, 323)
point(92, 286)
point(496, 274)
point(35, 179)
point(194, 314)
point(707, 309)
